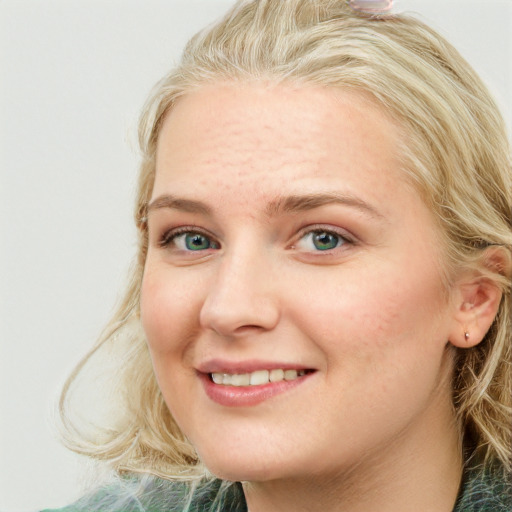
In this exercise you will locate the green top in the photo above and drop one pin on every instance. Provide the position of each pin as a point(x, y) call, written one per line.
point(488, 491)
point(151, 494)
point(485, 491)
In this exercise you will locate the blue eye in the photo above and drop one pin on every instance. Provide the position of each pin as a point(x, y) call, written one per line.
point(190, 241)
point(324, 241)
point(196, 242)
point(321, 240)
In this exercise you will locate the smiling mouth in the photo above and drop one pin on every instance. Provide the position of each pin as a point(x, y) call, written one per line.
point(257, 378)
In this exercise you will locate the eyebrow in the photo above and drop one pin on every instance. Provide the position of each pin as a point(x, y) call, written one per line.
point(278, 206)
point(299, 203)
point(177, 203)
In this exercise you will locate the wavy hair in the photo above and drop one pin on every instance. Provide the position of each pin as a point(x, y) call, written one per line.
point(456, 153)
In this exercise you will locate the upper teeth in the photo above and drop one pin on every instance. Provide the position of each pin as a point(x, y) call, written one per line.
point(257, 378)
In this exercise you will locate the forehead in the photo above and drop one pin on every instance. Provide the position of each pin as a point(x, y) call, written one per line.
point(263, 137)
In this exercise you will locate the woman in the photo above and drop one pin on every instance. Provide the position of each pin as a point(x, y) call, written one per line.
point(320, 307)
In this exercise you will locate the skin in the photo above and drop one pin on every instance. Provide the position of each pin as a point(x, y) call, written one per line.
point(373, 427)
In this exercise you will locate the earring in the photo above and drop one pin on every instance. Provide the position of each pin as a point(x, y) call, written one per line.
point(466, 336)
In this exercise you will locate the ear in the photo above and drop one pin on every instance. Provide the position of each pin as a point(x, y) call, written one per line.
point(477, 298)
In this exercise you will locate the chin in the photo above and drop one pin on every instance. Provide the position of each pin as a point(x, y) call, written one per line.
point(242, 469)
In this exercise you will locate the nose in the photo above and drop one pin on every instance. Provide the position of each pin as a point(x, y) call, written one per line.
point(241, 298)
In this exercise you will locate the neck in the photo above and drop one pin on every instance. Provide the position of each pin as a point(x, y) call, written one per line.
point(419, 470)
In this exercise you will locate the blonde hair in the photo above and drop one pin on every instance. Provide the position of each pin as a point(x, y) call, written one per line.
point(456, 153)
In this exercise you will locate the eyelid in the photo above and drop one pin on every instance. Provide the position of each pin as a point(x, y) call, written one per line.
point(328, 229)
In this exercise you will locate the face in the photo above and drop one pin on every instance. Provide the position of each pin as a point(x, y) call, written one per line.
point(292, 296)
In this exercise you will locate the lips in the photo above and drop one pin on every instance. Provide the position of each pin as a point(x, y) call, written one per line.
point(249, 383)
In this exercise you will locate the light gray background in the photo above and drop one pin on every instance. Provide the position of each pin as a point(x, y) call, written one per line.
point(73, 76)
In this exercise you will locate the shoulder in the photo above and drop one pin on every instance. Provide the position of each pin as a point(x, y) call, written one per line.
point(485, 490)
point(151, 494)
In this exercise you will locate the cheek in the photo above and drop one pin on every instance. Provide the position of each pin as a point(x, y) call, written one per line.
point(167, 311)
point(154, 304)
point(384, 339)
point(382, 308)
point(170, 325)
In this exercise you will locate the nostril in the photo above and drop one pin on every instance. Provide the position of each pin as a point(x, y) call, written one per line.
point(239, 317)
point(248, 329)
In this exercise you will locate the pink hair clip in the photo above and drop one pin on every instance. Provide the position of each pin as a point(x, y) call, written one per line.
point(371, 7)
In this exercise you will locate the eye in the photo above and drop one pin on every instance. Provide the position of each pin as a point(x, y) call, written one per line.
point(321, 240)
point(189, 241)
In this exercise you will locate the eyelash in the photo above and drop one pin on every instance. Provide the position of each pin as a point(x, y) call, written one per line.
point(343, 237)
point(169, 237)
